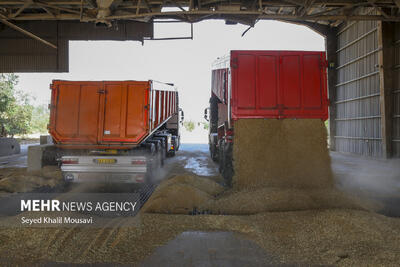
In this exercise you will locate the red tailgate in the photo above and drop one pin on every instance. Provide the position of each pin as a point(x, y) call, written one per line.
point(279, 84)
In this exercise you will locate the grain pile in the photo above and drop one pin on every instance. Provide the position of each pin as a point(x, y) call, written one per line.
point(281, 153)
point(329, 237)
point(247, 202)
point(181, 194)
point(13, 180)
point(280, 165)
point(185, 194)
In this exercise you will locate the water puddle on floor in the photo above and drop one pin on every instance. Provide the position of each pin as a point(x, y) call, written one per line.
point(199, 166)
point(196, 248)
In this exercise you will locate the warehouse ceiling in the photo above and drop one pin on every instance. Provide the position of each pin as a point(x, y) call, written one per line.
point(34, 34)
point(242, 11)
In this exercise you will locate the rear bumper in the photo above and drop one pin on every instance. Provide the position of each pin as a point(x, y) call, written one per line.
point(122, 171)
point(96, 177)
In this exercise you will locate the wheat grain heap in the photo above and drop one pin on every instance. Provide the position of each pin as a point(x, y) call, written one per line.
point(281, 153)
point(15, 180)
point(280, 165)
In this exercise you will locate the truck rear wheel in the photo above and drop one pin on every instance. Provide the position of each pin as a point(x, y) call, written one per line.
point(213, 152)
point(226, 162)
point(220, 152)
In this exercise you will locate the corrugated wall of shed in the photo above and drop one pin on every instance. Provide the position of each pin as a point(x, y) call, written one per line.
point(357, 103)
point(396, 94)
point(21, 53)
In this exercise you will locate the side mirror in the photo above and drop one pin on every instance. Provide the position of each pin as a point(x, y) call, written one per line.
point(182, 115)
point(206, 114)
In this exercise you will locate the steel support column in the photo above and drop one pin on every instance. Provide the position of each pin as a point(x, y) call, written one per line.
point(386, 63)
point(331, 47)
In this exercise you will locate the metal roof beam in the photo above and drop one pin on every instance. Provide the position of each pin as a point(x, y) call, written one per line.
point(4, 20)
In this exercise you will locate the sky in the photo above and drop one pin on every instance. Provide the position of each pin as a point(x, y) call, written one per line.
point(186, 63)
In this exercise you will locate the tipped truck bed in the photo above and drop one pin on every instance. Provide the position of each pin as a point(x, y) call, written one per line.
point(108, 114)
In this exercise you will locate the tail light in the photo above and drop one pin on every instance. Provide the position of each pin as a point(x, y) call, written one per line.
point(69, 161)
point(138, 162)
point(140, 179)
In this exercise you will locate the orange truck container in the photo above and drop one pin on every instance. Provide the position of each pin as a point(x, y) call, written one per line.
point(108, 127)
point(109, 114)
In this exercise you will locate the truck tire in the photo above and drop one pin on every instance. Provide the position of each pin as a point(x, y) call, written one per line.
point(163, 153)
point(227, 170)
point(178, 143)
point(213, 152)
point(158, 157)
point(220, 156)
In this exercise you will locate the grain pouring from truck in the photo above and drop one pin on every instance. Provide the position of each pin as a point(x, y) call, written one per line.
point(113, 131)
point(268, 85)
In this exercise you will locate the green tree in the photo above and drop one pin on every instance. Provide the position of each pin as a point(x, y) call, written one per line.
point(40, 119)
point(15, 107)
point(189, 125)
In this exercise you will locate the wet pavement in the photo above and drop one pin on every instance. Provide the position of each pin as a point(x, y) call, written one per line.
point(18, 160)
point(378, 176)
point(195, 248)
point(376, 180)
point(192, 158)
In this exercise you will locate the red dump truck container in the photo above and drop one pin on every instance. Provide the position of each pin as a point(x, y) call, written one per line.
point(116, 130)
point(263, 84)
point(272, 84)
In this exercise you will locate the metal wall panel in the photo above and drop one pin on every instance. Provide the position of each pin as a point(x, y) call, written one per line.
point(19, 53)
point(396, 94)
point(358, 117)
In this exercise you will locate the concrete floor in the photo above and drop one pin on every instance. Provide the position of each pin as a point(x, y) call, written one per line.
point(375, 180)
point(18, 160)
point(375, 176)
point(220, 249)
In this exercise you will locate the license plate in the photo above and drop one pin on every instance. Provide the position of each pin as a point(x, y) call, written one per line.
point(105, 161)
